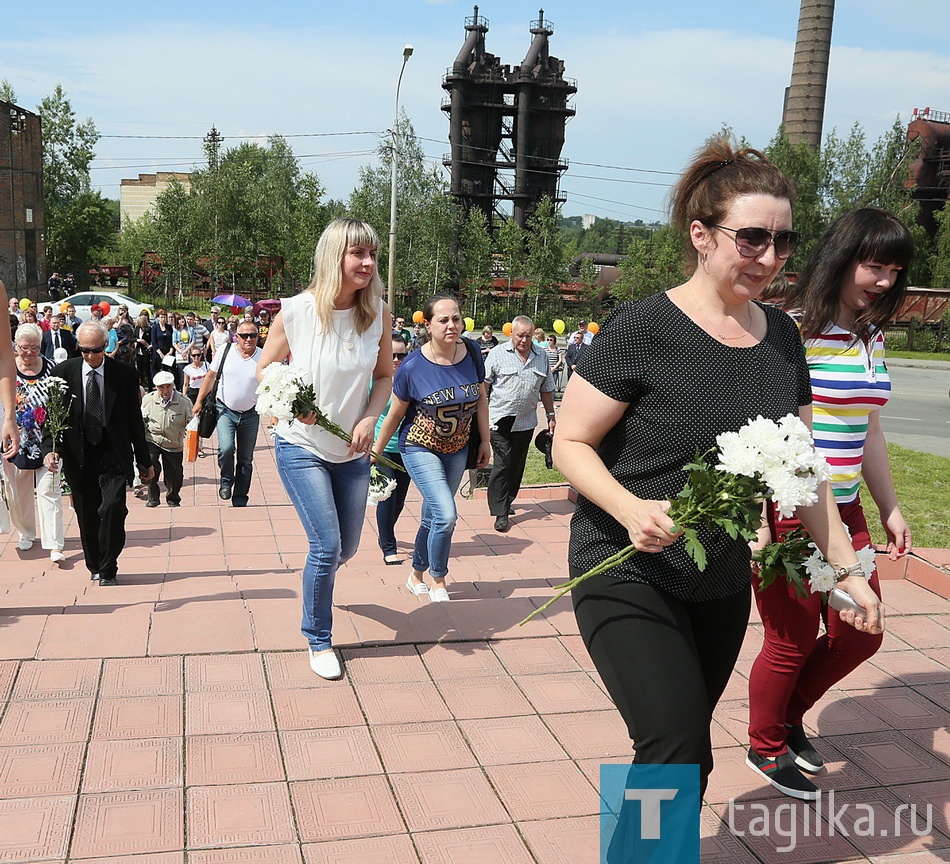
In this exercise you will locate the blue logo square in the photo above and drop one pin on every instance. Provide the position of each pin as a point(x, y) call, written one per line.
point(649, 814)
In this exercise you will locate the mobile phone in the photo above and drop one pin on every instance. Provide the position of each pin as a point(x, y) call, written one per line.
point(841, 601)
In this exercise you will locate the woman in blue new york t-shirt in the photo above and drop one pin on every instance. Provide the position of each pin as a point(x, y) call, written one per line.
point(437, 390)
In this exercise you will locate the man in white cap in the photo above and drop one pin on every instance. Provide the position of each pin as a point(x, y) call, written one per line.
point(166, 413)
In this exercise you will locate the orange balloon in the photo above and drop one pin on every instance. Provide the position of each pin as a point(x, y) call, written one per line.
point(593, 327)
point(506, 328)
point(418, 317)
point(63, 307)
point(106, 308)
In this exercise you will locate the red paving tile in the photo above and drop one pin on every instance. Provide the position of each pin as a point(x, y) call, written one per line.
point(314, 754)
point(40, 769)
point(242, 815)
point(117, 766)
point(127, 823)
point(499, 844)
point(447, 799)
point(251, 757)
point(481, 737)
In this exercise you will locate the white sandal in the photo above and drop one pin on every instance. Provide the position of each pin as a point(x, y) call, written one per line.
point(416, 590)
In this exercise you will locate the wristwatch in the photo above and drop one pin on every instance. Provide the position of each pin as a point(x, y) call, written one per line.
point(845, 572)
point(550, 415)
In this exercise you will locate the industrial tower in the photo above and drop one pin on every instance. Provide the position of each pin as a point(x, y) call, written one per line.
point(804, 108)
point(506, 126)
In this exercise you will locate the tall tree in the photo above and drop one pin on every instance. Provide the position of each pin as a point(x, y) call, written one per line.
point(475, 261)
point(544, 266)
point(651, 266)
point(7, 93)
point(68, 150)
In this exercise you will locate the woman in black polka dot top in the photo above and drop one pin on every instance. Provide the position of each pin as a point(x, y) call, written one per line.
point(663, 378)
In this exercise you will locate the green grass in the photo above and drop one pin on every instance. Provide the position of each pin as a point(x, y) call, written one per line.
point(923, 489)
point(919, 355)
point(921, 479)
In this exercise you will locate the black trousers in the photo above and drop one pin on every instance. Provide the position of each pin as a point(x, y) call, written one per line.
point(99, 490)
point(509, 454)
point(173, 465)
point(663, 661)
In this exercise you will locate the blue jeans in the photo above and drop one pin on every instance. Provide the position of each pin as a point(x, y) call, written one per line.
point(237, 435)
point(387, 512)
point(438, 476)
point(330, 499)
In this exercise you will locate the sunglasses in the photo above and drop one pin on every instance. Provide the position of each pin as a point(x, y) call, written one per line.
point(398, 355)
point(247, 335)
point(98, 350)
point(196, 355)
point(752, 242)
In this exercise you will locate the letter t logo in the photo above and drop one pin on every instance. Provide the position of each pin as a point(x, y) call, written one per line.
point(650, 809)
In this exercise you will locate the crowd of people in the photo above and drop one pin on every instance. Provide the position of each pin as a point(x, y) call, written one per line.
point(665, 376)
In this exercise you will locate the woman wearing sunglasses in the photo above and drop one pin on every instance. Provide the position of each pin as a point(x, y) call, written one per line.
point(849, 289)
point(665, 376)
point(338, 334)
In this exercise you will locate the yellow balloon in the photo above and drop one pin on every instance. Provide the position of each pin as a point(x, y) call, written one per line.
point(469, 324)
point(558, 326)
point(25, 304)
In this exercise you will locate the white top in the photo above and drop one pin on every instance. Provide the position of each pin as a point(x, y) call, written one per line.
point(341, 376)
point(237, 388)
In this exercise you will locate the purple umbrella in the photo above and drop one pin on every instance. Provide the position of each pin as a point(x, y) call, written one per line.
point(231, 300)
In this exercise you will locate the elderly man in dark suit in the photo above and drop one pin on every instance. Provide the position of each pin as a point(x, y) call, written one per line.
point(105, 432)
point(57, 337)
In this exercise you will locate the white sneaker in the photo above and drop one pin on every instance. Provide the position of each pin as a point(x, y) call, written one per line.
point(438, 595)
point(326, 664)
point(56, 555)
point(24, 545)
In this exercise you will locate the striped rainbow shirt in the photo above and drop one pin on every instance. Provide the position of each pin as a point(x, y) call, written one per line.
point(848, 382)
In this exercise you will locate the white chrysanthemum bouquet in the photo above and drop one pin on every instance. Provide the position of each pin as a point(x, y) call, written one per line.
point(764, 459)
point(58, 402)
point(380, 487)
point(283, 394)
point(797, 559)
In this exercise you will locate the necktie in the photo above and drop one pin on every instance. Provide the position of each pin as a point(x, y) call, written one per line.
point(93, 410)
point(57, 339)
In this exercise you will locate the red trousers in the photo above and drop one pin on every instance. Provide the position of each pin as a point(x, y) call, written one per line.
point(796, 667)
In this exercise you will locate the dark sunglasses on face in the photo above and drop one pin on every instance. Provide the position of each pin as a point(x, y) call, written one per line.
point(98, 350)
point(247, 335)
point(398, 355)
point(752, 242)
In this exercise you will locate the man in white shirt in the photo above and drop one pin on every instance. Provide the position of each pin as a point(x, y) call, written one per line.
point(238, 421)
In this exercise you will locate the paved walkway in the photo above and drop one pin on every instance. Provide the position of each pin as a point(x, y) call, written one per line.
point(174, 718)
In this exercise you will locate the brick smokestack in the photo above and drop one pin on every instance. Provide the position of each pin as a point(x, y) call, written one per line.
point(805, 97)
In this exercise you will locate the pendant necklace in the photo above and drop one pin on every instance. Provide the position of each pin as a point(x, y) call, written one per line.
point(714, 327)
point(346, 340)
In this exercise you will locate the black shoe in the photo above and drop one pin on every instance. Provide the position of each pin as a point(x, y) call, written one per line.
point(93, 576)
point(803, 752)
point(501, 524)
point(152, 502)
point(224, 493)
point(239, 502)
point(108, 580)
point(781, 772)
point(174, 503)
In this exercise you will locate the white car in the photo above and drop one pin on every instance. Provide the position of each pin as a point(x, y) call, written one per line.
point(85, 300)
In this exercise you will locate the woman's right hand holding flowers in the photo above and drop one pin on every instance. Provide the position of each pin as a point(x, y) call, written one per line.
point(649, 526)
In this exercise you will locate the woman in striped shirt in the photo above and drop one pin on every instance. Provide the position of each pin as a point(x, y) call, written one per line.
point(850, 288)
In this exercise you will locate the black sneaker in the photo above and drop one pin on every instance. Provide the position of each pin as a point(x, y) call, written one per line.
point(780, 772)
point(803, 752)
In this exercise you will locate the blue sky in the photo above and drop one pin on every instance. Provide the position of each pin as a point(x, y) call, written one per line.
point(654, 78)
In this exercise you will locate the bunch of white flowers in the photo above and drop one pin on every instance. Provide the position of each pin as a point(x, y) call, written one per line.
point(764, 459)
point(278, 390)
point(380, 487)
point(821, 575)
point(782, 455)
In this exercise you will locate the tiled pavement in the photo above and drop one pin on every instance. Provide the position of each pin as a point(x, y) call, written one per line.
point(174, 718)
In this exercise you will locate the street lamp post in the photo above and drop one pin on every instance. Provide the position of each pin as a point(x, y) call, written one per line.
point(406, 54)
